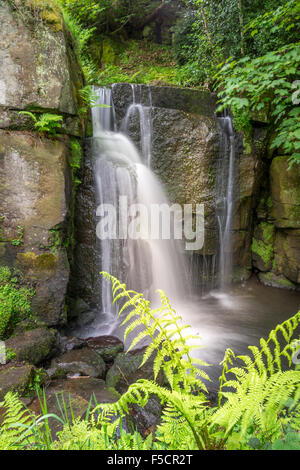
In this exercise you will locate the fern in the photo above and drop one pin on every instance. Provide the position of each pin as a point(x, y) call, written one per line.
point(167, 335)
point(47, 122)
point(16, 418)
point(261, 388)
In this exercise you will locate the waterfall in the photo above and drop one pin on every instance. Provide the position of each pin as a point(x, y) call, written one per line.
point(145, 121)
point(144, 264)
point(225, 199)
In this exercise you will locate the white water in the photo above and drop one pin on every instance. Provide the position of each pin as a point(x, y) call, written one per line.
point(145, 121)
point(143, 264)
point(225, 200)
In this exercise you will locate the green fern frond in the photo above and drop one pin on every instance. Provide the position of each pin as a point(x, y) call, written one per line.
point(167, 336)
point(16, 419)
point(261, 388)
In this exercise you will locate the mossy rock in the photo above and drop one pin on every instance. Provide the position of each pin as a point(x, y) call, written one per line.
point(272, 280)
point(82, 361)
point(108, 347)
point(16, 378)
point(126, 370)
point(33, 346)
point(43, 262)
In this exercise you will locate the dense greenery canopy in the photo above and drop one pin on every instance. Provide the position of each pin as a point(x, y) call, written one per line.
point(245, 50)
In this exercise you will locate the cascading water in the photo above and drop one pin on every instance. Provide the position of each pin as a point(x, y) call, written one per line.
point(144, 264)
point(225, 199)
point(145, 121)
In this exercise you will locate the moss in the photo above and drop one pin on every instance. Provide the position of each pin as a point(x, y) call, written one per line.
point(271, 279)
point(15, 302)
point(47, 11)
point(54, 19)
point(269, 202)
point(263, 246)
point(45, 261)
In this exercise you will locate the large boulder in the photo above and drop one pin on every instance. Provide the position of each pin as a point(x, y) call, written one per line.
point(33, 346)
point(276, 241)
point(108, 347)
point(41, 70)
point(16, 378)
point(82, 361)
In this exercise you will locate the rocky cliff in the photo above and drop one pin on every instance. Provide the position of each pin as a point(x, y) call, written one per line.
point(39, 73)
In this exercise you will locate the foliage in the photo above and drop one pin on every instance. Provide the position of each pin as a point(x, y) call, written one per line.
point(266, 84)
point(45, 123)
point(14, 301)
point(261, 386)
point(258, 403)
point(261, 391)
point(14, 413)
point(18, 241)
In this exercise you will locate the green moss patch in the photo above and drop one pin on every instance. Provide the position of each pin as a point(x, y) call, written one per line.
point(263, 244)
point(43, 262)
point(15, 301)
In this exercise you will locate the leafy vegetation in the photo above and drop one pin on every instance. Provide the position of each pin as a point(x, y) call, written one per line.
point(19, 240)
point(14, 301)
point(267, 85)
point(258, 397)
point(45, 123)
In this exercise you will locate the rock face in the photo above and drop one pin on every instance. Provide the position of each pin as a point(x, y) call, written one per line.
point(276, 241)
point(40, 71)
point(39, 74)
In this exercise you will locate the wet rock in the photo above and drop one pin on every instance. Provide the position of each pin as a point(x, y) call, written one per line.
point(77, 308)
point(16, 378)
point(190, 101)
point(147, 418)
point(76, 395)
point(83, 361)
point(85, 278)
point(126, 370)
point(34, 346)
point(108, 347)
point(86, 318)
point(87, 388)
point(272, 279)
point(68, 343)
